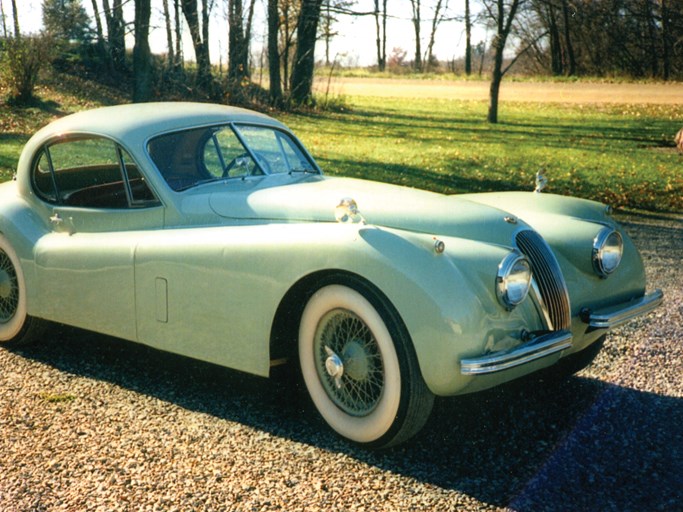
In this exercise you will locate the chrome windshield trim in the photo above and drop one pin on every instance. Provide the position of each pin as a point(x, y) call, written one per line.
point(542, 346)
point(622, 313)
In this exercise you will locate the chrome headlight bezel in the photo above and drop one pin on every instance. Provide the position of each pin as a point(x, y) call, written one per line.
point(513, 280)
point(608, 250)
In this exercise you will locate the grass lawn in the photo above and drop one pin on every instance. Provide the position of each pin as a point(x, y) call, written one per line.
point(619, 154)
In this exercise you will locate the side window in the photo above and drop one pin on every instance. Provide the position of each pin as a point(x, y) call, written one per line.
point(274, 149)
point(140, 192)
point(88, 172)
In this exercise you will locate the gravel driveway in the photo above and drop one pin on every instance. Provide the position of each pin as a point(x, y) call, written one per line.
point(92, 423)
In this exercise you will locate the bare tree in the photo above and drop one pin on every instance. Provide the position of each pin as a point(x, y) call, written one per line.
point(15, 13)
point(199, 40)
point(304, 60)
point(170, 56)
point(179, 60)
point(274, 53)
point(142, 56)
point(468, 38)
point(289, 12)
point(4, 18)
point(570, 59)
point(502, 15)
point(440, 7)
point(416, 19)
point(239, 39)
point(116, 34)
point(381, 31)
point(98, 27)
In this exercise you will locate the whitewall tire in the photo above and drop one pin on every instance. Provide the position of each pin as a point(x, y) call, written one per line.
point(16, 326)
point(359, 367)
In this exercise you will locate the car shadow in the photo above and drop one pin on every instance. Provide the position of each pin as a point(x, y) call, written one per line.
point(578, 445)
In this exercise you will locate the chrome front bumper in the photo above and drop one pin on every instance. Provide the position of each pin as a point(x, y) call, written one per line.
point(611, 317)
point(557, 341)
point(535, 349)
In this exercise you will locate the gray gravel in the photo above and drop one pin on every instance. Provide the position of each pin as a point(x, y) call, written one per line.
point(92, 423)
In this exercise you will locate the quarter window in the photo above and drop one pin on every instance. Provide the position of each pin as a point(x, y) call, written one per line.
point(91, 172)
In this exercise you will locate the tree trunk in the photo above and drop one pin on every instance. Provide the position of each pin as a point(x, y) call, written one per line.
point(15, 13)
point(416, 25)
point(239, 39)
point(570, 58)
point(236, 63)
point(503, 28)
point(304, 60)
point(384, 35)
point(555, 45)
point(378, 39)
point(142, 57)
point(116, 34)
point(274, 54)
point(432, 35)
point(468, 39)
point(169, 36)
point(98, 27)
point(666, 42)
point(652, 38)
point(179, 60)
point(201, 50)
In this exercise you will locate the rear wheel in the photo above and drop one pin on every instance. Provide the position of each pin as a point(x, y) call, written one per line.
point(359, 367)
point(16, 326)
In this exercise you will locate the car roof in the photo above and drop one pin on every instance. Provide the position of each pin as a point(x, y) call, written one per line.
point(141, 121)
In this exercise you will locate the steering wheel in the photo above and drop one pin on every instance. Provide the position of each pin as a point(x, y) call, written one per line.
point(244, 160)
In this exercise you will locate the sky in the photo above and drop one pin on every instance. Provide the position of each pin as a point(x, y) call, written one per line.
point(354, 46)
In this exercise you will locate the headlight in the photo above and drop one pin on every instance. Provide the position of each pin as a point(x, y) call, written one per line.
point(608, 248)
point(513, 279)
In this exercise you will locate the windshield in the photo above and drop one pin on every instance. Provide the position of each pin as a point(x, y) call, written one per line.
point(202, 155)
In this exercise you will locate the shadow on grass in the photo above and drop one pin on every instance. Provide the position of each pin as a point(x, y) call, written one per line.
point(581, 445)
point(550, 133)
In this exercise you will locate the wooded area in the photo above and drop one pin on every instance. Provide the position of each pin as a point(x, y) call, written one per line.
point(596, 38)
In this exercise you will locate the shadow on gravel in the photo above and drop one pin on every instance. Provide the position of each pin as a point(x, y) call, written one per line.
point(530, 446)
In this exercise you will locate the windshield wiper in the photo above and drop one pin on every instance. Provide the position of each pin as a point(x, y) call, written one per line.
point(304, 171)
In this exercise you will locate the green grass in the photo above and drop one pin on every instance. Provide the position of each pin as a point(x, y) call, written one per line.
point(620, 155)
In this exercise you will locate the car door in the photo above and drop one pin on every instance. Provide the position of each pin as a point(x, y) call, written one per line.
point(98, 206)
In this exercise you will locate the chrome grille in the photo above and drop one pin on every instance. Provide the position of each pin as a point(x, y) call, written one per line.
point(548, 277)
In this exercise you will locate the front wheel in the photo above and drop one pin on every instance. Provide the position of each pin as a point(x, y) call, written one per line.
point(16, 326)
point(359, 367)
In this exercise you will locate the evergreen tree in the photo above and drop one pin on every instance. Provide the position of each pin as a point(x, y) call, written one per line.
point(66, 20)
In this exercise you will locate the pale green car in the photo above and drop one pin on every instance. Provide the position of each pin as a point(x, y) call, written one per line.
point(209, 231)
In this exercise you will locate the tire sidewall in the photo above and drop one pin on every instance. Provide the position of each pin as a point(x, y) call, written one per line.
point(373, 426)
point(12, 329)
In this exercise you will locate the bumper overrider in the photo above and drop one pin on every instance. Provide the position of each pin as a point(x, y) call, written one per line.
point(553, 342)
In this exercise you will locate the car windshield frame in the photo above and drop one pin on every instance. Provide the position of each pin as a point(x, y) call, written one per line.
point(250, 164)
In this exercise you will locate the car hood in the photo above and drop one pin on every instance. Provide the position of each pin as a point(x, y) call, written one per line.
point(314, 199)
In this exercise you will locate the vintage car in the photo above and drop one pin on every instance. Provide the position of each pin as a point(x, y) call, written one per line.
point(209, 231)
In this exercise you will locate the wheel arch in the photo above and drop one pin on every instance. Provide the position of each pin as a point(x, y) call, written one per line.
point(285, 326)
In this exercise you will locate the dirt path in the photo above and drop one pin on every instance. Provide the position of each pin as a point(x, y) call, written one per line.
point(658, 93)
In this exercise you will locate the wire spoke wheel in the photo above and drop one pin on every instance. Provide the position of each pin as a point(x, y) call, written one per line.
point(359, 366)
point(16, 326)
point(349, 362)
point(9, 288)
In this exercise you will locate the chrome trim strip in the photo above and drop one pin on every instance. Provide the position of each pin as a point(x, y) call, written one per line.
point(542, 346)
point(622, 313)
point(541, 307)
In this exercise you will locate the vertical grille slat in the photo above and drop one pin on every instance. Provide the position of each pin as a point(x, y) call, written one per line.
point(548, 276)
